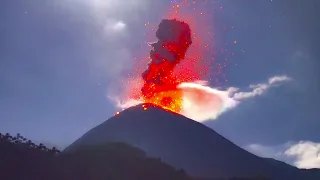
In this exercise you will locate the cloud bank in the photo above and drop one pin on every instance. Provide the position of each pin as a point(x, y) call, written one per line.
point(202, 102)
point(303, 154)
point(306, 154)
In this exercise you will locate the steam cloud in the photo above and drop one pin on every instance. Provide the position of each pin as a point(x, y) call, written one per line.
point(202, 102)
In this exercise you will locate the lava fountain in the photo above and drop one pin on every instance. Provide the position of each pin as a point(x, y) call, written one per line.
point(159, 81)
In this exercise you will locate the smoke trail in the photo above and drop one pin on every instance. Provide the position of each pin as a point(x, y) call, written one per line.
point(201, 102)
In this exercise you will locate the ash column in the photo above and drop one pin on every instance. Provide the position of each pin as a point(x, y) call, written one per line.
point(174, 39)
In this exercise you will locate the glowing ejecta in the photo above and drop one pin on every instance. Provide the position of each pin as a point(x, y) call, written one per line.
point(174, 39)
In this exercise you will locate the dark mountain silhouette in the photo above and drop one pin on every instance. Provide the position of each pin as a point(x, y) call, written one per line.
point(186, 144)
point(22, 159)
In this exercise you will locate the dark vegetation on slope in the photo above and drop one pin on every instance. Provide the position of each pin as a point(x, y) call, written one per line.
point(22, 159)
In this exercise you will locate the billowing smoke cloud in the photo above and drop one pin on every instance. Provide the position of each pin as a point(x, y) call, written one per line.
point(306, 154)
point(202, 102)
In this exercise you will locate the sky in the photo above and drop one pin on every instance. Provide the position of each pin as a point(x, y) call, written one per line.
point(59, 59)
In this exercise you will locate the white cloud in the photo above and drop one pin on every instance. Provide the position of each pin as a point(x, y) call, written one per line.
point(113, 26)
point(259, 89)
point(119, 26)
point(265, 151)
point(303, 154)
point(306, 154)
point(278, 79)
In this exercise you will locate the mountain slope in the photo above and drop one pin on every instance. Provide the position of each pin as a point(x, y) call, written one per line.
point(22, 159)
point(182, 143)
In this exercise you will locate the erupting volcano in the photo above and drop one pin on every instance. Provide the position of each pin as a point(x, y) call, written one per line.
point(159, 82)
point(177, 72)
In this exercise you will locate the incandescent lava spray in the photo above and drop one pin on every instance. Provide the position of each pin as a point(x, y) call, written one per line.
point(160, 84)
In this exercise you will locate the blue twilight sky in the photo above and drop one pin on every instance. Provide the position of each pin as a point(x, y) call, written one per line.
point(59, 58)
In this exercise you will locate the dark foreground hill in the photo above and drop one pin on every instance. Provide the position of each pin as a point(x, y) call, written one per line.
point(22, 159)
point(186, 144)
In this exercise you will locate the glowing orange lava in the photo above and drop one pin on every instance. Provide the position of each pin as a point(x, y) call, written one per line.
point(193, 67)
point(170, 100)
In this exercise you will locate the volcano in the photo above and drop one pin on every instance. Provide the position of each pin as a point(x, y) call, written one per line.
point(186, 144)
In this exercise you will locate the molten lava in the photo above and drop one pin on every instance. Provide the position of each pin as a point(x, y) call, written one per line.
point(159, 81)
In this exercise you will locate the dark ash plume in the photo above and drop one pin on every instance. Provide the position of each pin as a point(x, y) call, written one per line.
point(174, 39)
